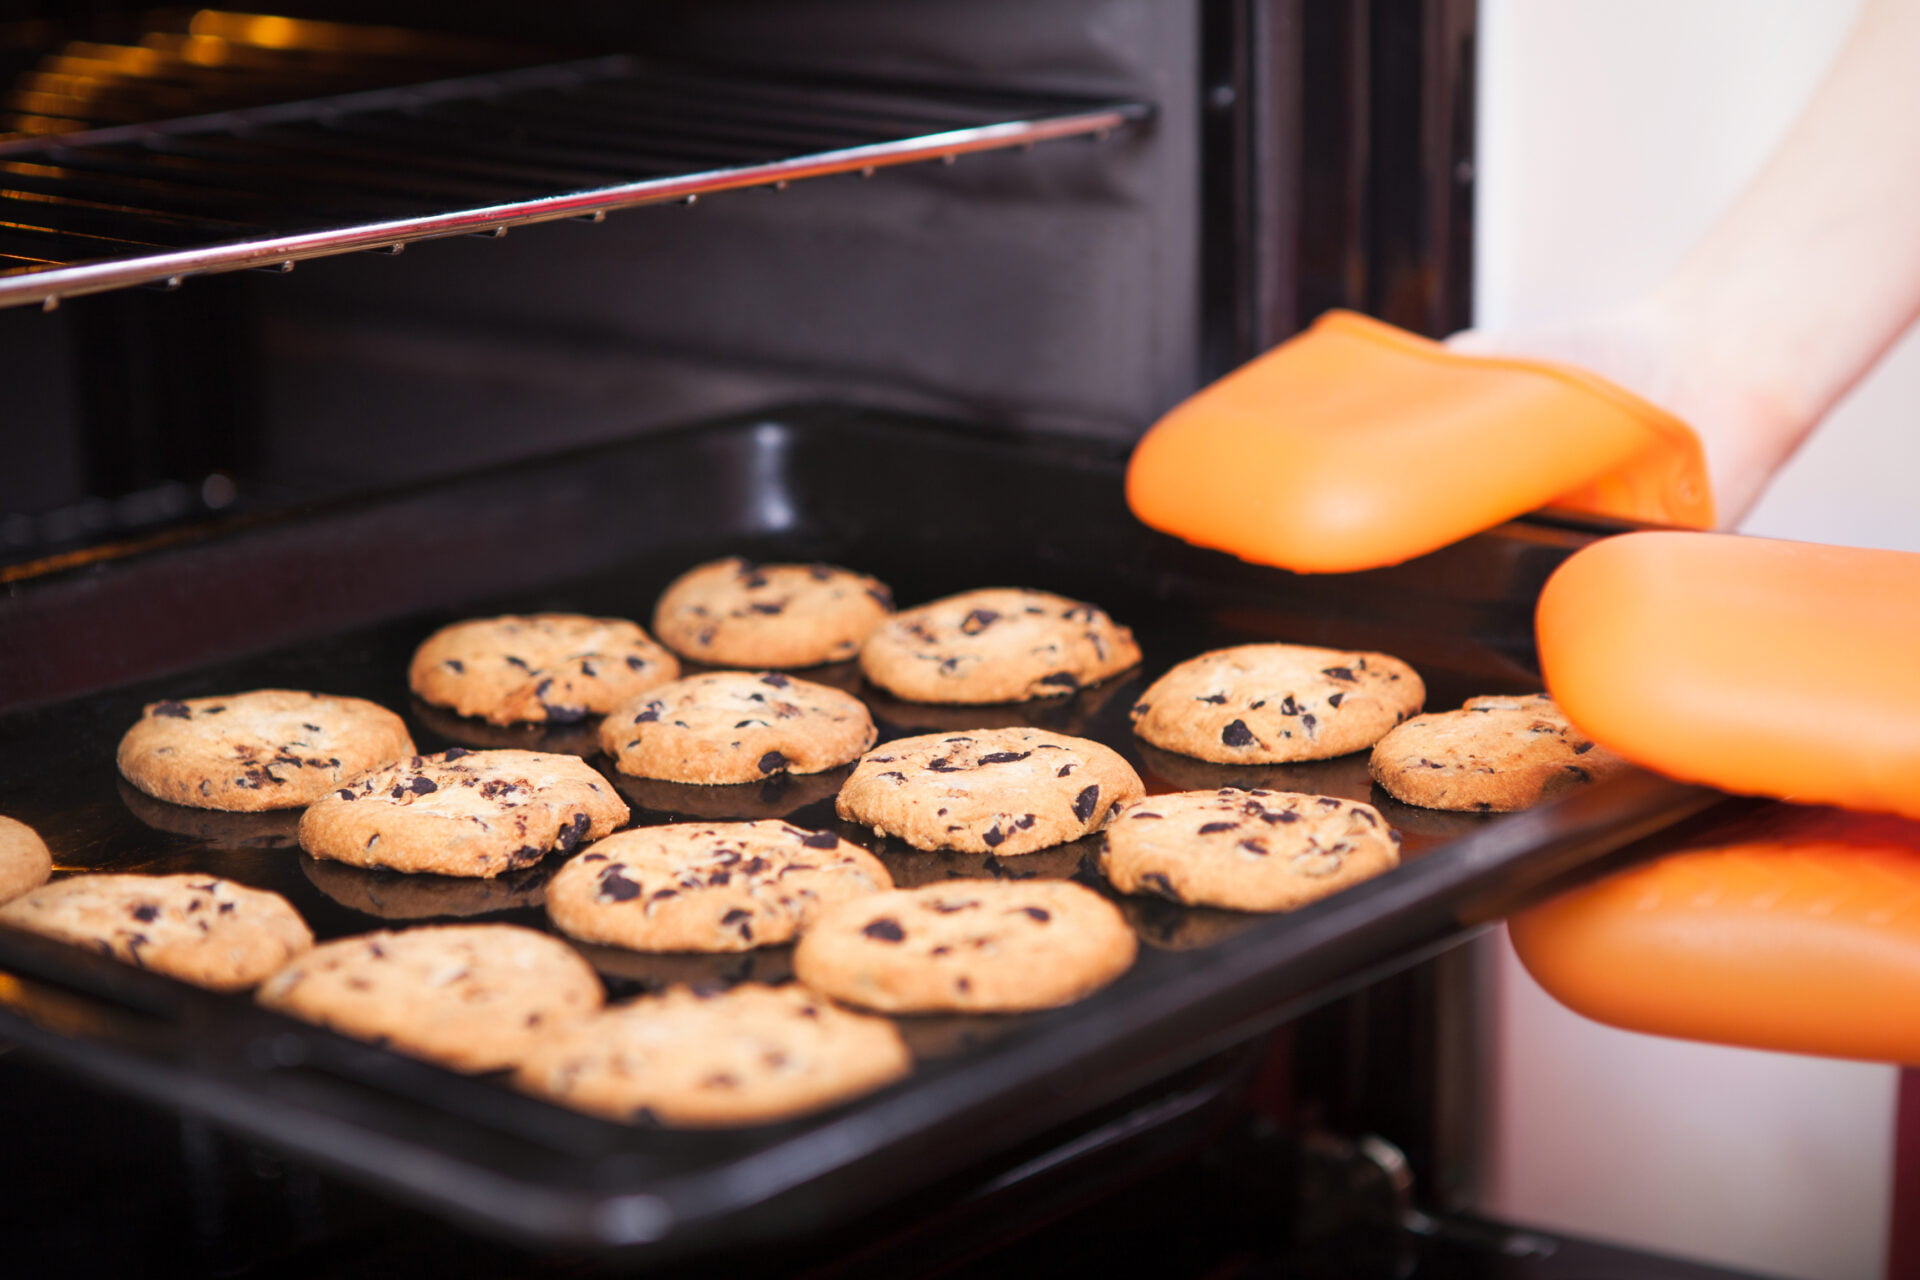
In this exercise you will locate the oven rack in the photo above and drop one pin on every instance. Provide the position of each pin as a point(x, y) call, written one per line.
point(263, 188)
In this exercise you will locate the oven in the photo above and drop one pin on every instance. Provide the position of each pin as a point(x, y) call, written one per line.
point(327, 326)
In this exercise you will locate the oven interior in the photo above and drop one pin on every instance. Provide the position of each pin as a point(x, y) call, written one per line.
point(1274, 159)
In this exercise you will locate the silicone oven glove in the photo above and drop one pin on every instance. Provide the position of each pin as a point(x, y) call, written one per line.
point(1356, 445)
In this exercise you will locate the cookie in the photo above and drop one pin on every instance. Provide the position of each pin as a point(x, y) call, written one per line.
point(474, 997)
point(1271, 703)
point(708, 886)
point(547, 667)
point(197, 928)
point(464, 813)
point(736, 726)
point(735, 613)
point(1492, 755)
point(751, 1055)
point(1002, 791)
point(1246, 850)
point(1002, 644)
point(978, 946)
point(268, 749)
point(24, 860)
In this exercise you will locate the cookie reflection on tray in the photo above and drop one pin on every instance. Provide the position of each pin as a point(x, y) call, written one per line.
point(911, 868)
point(269, 829)
point(775, 796)
point(1073, 714)
point(930, 1036)
point(574, 738)
point(658, 970)
point(1343, 776)
point(1169, 926)
point(396, 895)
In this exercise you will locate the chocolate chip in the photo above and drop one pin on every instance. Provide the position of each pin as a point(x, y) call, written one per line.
point(178, 710)
point(1063, 771)
point(775, 679)
point(881, 596)
point(1217, 699)
point(525, 856)
point(1025, 821)
point(1338, 673)
point(1139, 709)
point(979, 620)
point(1335, 699)
point(768, 609)
point(1004, 757)
point(648, 714)
point(1253, 847)
point(773, 760)
point(573, 833)
point(146, 913)
point(345, 794)
point(1086, 802)
point(518, 662)
point(1288, 707)
point(885, 929)
point(895, 774)
point(455, 665)
point(736, 915)
point(944, 764)
point(994, 837)
point(1582, 748)
point(1065, 679)
point(1038, 913)
point(1308, 722)
point(1578, 772)
point(617, 887)
point(1210, 828)
point(1155, 883)
point(1284, 816)
point(1236, 734)
point(636, 663)
point(423, 786)
point(1146, 815)
point(821, 840)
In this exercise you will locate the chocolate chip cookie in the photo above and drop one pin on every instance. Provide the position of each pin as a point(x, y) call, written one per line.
point(735, 613)
point(24, 860)
point(1269, 703)
point(736, 726)
point(1493, 755)
point(1002, 791)
point(750, 1055)
point(544, 667)
point(708, 886)
point(1247, 850)
point(464, 813)
point(474, 997)
point(979, 946)
point(1001, 644)
point(268, 749)
point(198, 928)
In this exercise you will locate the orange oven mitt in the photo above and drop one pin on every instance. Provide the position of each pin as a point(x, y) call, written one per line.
point(1355, 445)
point(1771, 668)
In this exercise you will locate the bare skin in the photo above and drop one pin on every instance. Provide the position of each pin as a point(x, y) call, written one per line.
point(1796, 292)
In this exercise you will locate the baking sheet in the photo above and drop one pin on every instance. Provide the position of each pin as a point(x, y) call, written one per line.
point(335, 600)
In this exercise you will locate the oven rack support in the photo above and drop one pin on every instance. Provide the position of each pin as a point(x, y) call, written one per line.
point(263, 188)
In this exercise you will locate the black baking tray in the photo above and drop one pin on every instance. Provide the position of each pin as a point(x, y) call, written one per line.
point(335, 599)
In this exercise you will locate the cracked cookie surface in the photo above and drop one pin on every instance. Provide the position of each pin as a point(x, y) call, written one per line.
point(1001, 791)
point(1248, 850)
point(736, 726)
point(735, 613)
point(1495, 754)
point(685, 1058)
point(975, 946)
point(201, 929)
point(266, 749)
point(533, 668)
point(464, 813)
point(999, 644)
point(1270, 703)
point(701, 886)
point(474, 997)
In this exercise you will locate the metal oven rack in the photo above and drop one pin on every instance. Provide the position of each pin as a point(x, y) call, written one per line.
point(265, 187)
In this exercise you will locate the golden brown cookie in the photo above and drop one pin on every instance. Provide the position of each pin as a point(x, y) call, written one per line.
point(736, 726)
point(1003, 791)
point(1246, 850)
point(268, 749)
point(474, 997)
point(981, 946)
point(735, 613)
point(464, 813)
point(751, 1055)
point(1269, 703)
point(550, 667)
point(1001, 644)
point(1493, 755)
point(708, 886)
point(198, 928)
point(24, 860)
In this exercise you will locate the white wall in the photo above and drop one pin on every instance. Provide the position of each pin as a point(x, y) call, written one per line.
point(1612, 133)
